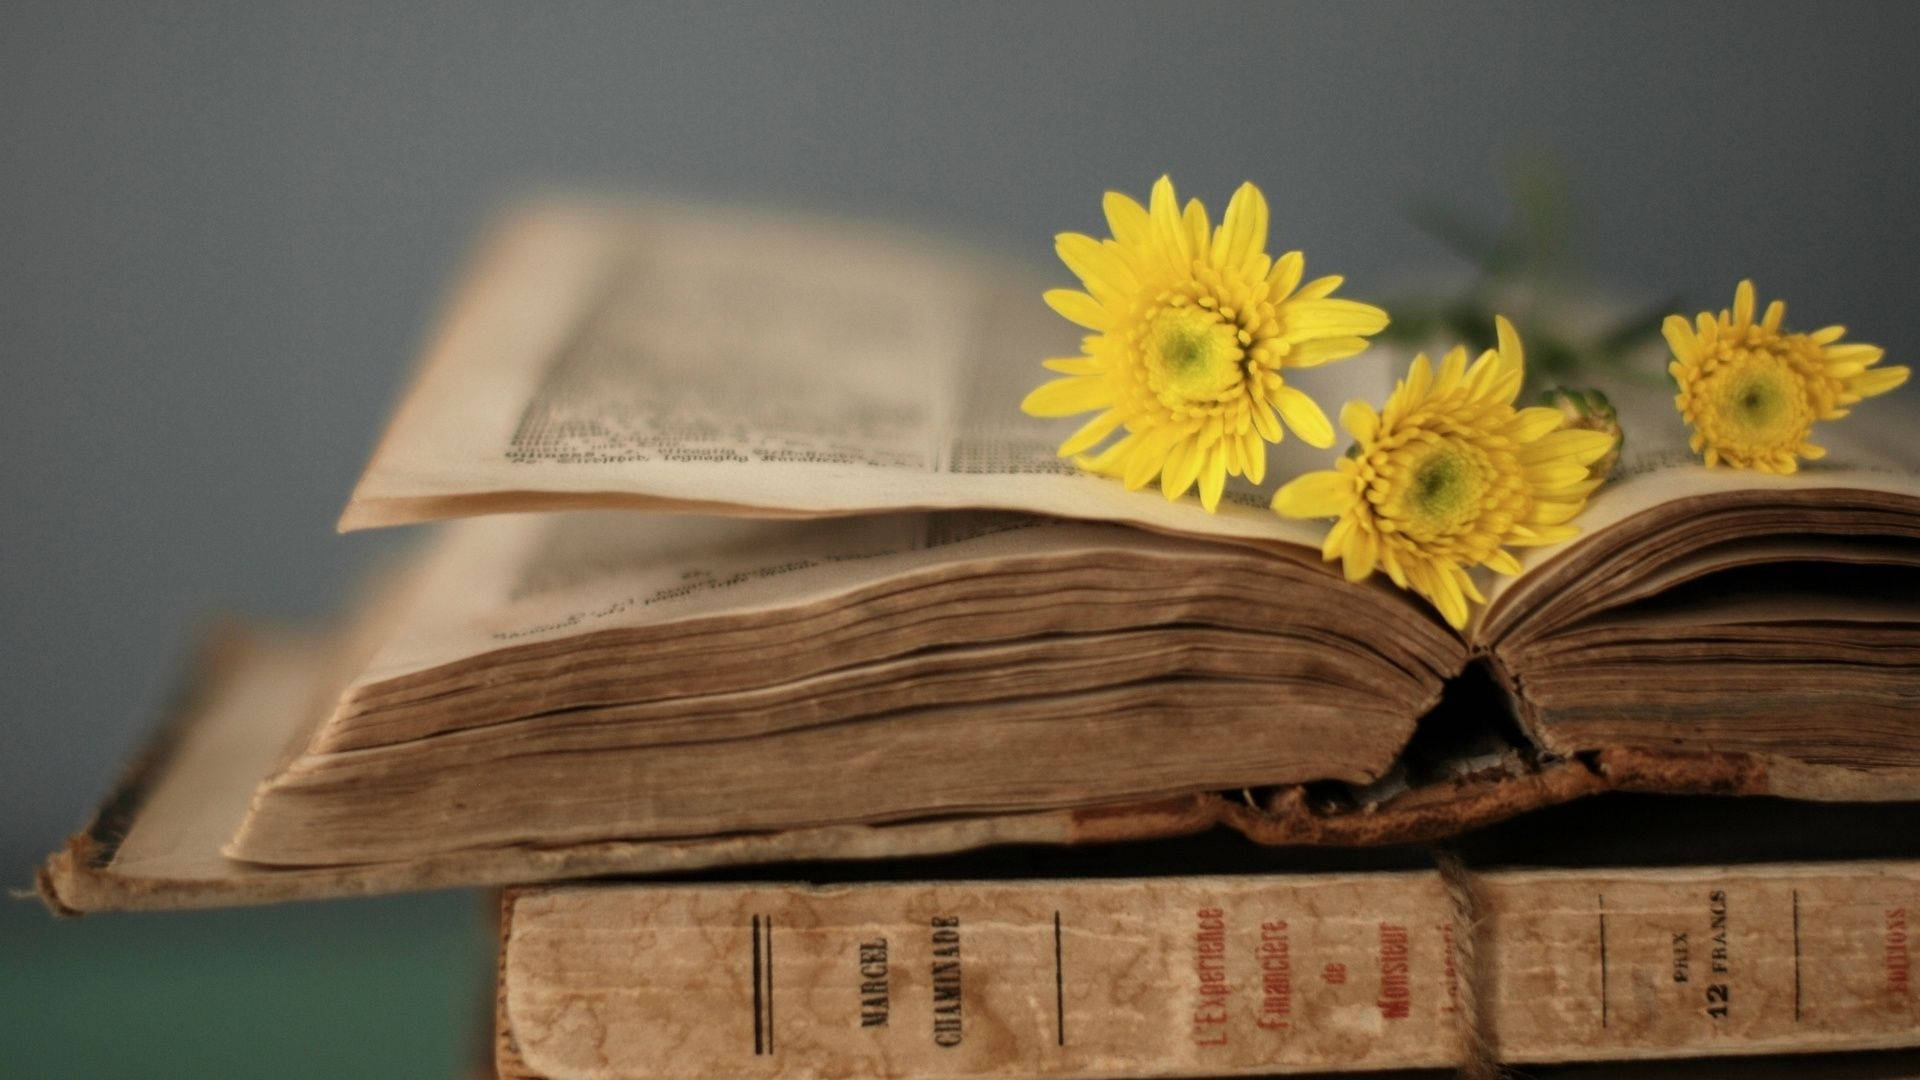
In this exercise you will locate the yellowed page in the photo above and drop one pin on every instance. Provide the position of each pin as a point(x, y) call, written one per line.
point(507, 580)
point(728, 363)
point(1871, 451)
point(1875, 450)
point(156, 844)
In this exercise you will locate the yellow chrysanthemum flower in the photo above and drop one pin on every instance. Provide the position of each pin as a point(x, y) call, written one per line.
point(1192, 329)
point(1751, 392)
point(1446, 474)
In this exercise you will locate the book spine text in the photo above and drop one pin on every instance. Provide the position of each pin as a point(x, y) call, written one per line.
point(1203, 976)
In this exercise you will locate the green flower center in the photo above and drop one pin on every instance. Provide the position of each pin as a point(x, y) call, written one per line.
point(1444, 491)
point(1758, 400)
point(1192, 354)
point(1440, 483)
point(1761, 402)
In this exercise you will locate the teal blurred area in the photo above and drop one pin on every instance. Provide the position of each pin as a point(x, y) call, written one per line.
point(398, 986)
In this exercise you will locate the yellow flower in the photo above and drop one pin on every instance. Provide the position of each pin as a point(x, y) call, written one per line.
point(1192, 327)
point(1446, 474)
point(1752, 392)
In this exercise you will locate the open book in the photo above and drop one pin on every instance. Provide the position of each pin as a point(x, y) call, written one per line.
point(885, 617)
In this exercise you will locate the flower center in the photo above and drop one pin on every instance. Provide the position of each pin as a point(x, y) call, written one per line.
point(1192, 354)
point(1759, 400)
point(1440, 484)
point(1762, 402)
point(1440, 491)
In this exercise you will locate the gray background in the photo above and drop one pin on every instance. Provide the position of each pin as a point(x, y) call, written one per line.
point(225, 228)
point(225, 231)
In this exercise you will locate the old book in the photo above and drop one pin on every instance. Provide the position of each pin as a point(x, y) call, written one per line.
point(898, 623)
point(1205, 976)
point(157, 840)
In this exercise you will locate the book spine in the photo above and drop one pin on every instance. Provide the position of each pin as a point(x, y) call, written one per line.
point(1204, 976)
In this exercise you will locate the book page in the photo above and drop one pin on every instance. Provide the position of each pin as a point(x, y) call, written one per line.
point(155, 845)
point(743, 364)
point(1871, 451)
point(507, 580)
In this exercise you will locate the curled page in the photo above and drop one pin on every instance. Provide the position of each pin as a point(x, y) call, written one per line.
point(675, 359)
point(1872, 463)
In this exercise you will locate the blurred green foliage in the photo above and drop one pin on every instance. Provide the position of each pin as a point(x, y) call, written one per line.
point(1527, 271)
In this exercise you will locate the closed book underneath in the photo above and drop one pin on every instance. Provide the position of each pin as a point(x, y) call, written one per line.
point(1206, 976)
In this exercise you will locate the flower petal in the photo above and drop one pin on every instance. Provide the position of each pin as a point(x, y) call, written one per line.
point(1776, 312)
point(1266, 423)
point(1186, 468)
point(1361, 554)
point(1332, 317)
point(1170, 484)
point(1447, 596)
point(1320, 288)
point(1106, 460)
point(1327, 493)
point(1878, 381)
point(1419, 380)
point(1127, 220)
point(1534, 423)
point(1075, 365)
point(1336, 540)
point(1090, 433)
point(1679, 335)
point(1213, 477)
point(1857, 352)
point(1304, 417)
point(1108, 278)
point(1255, 451)
point(1540, 535)
point(1151, 456)
point(1575, 446)
point(1513, 357)
point(1164, 212)
point(1244, 227)
point(1453, 370)
point(1554, 513)
point(1194, 221)
point(1285, 276)
point(1501, 561)
point(1360, 420)
point(1324, 350)
point(1078, 307)
point(1743, 304)
point(1064, 397)
point(1554, 476)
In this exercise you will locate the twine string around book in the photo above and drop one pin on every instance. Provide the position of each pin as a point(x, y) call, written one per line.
point(1467, 904)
